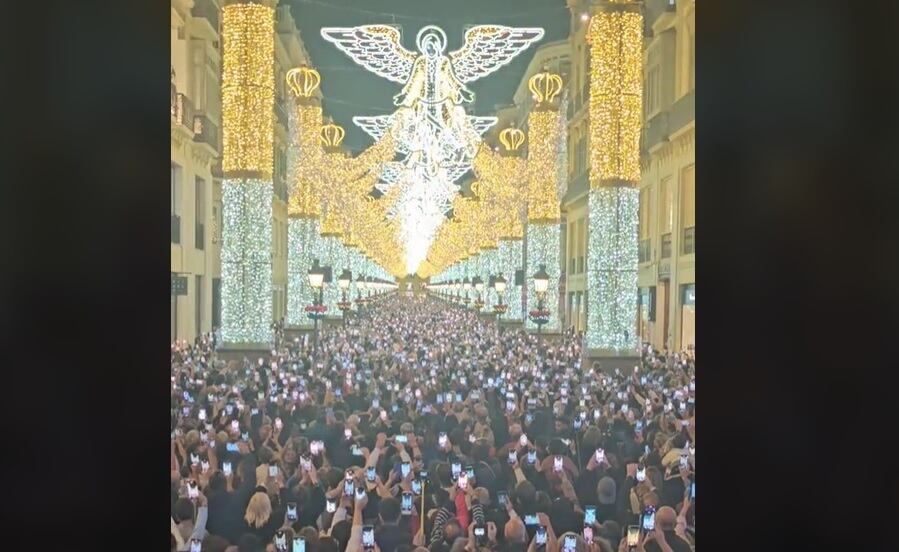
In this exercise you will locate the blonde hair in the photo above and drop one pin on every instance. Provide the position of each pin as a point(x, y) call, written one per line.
point(258, 510)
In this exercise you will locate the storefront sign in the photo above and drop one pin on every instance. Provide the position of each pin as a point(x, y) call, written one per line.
point(179, 285)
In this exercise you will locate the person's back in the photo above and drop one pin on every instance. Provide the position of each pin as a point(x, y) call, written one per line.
point(391, 533)
point(666, 518)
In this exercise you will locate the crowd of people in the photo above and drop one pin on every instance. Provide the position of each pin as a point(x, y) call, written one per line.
point(420, 426)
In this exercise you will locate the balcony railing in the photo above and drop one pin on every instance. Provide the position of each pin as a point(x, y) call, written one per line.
point(183, 111)
point(208, 10)
point(689, 240)
point(644, 250)
point(206, 132)
point(176, 229)
point(666, 246)
point(200, 240)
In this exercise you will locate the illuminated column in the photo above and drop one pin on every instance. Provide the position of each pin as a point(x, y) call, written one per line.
point(615, 36)
point(542, 236)
point(248, 97)
point(303, 157)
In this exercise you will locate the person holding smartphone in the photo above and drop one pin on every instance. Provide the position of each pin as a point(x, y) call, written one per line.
point(184, 528)
point(392, 531)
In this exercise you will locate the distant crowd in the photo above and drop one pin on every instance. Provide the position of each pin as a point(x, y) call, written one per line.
point(421, 426)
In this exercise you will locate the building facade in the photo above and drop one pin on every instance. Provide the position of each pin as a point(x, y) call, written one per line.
point(667, 242)
point(196, 116)
point(196, 177)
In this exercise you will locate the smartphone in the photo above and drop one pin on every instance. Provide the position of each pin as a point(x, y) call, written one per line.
point(532, 457)
point(470, 471)
point(280, 541)
point(356, 451)
point(641, 473)
point(402, 439)
point(348, 487)
point(273, 471)
point(331, 506)
point(226, 468)
point(442, 439)
point(192, 490)
point(557, 464)
point(204, 465)
point(692, 490)
point(570, 542)
point(278, 423)
point(512, 457)
point(370, 474)
point(360, 493)
point(480, 533)
point(531, 519)
point(348, 433)
point(649, 519)
point(600, 455)
point(456, 469)
point(306, 463)
point(510, 405)
point(502, 497)
point(540, 538)
point(292, 511)
point(588, 534)
point(416, 486)
point(463, 480)
point(589, 515)
point(245, 436)
point(196, 545)
point(684, 461)
point(633, 535)
point(406, 504)
point(523, 440)
point(368, 537)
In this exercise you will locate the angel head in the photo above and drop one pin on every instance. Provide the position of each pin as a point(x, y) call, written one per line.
point(431, 41)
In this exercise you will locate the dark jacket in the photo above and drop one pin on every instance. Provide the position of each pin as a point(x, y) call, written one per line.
point(676, 543)
point(390, 536)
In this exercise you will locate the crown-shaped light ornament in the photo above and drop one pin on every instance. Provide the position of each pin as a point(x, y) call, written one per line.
point(511, 138)
point(545, 86)
point(303, 81)
point(332, 135)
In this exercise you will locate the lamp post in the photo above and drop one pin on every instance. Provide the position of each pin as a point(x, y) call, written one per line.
point(541, 284)
point(466, 287)
point(317, 281)
point(478, 285)
point(344, 282)
point(499, 284)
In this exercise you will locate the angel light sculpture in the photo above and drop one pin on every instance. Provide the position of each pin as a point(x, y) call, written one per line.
point(435, 137)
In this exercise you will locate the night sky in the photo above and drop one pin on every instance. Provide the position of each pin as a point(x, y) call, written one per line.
point(350, 90)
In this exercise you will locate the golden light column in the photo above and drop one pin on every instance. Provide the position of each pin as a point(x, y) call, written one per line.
point(542, 236)
point(304, 156)
point(615, 35)
point(248, 97)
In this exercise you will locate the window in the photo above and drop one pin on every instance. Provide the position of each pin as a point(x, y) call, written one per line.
point(198, 292)
point(582, 244)
point(666, 204)
point(653, 92)
point(200, 213)
point(216, 302)
point(688, 209)
point(176, 204)
point(572, 246)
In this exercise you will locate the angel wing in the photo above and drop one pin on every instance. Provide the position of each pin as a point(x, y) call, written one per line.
point(375, 47)
point(482, 124)
point(375, 126)
point(489, 47)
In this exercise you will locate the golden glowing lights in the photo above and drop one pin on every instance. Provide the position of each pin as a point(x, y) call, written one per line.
point(304, 200)
point(332, 135)
point(303, 81)
point(511, 138)
point(248, 89)
point(616, 90)
point(543, 135)
point(545, 86)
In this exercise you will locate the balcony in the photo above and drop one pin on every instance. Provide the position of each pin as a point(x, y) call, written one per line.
point(689, 241)
point(176, 229)
point(666, 246)
point(200, 240)
point(183, 111)
point(206, 132)
point(206, 9)
point(644, 251)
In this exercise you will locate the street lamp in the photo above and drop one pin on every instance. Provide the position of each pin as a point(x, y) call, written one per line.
point(317, 281)
point(344, 282)
point(499, 284)
point(478, 285)
point(541, 284)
